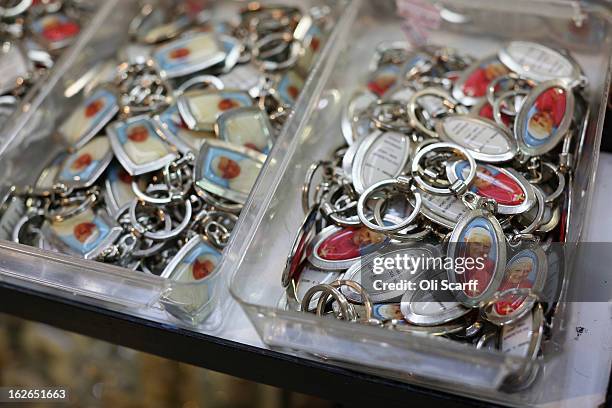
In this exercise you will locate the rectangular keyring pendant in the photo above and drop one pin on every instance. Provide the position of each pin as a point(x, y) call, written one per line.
point(140, 145)
point(86, 234)
point(201, 108)
point(118, 194)
point(226, 170)
point(248, 127)
point(82, 168)
point(89, 118)
point(287, 88)
point(190, 54)
point(197, 260)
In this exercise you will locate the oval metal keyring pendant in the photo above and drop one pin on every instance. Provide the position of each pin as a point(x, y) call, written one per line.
point(478, 249)
point(384, 284)
point(337, 248)
point(511, 191)
point(472, 85)
point(540, 63)
point(420, 306)
point(526, 272)
point(381, 156)
point(483, 139)
point(544, 118)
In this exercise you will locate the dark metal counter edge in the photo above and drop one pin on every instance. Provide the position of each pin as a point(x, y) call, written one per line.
point(252, 363)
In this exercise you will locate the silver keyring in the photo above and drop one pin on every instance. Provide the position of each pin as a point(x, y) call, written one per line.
point(400, 235)
point(497, 111)
point(208, 80)
point(325, 288)
point(457, 188)
point(307, 186)
point(413, 104)
point(401, 184)
point(19, 8)
point(365, 298)
point(294, 53)
point(379, 110)
point(159, 235)
point(84, 203)
point(329, 209)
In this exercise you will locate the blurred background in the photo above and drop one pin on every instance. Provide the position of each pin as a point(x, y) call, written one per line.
point(99, 374)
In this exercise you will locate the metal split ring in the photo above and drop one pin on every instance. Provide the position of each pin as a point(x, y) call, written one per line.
point(459, 186)
point(400, 184)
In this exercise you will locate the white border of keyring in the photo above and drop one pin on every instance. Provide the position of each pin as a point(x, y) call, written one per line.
point(486, 157)
point(189, 68)
point(434, 146)
point(397, 183)
point(563, 127)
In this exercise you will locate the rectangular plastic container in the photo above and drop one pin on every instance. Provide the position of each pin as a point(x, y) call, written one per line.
point(478, 28)
point(30, 144)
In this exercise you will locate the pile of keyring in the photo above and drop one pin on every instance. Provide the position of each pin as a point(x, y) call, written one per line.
point(33, 35)
point(446, 156)
point(161, 154)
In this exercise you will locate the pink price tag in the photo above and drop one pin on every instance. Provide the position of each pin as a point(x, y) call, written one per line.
point(420, 17)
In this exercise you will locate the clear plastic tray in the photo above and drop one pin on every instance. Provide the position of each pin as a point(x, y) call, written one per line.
point(479, 28)
point(30, 144)
point(11, 123)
